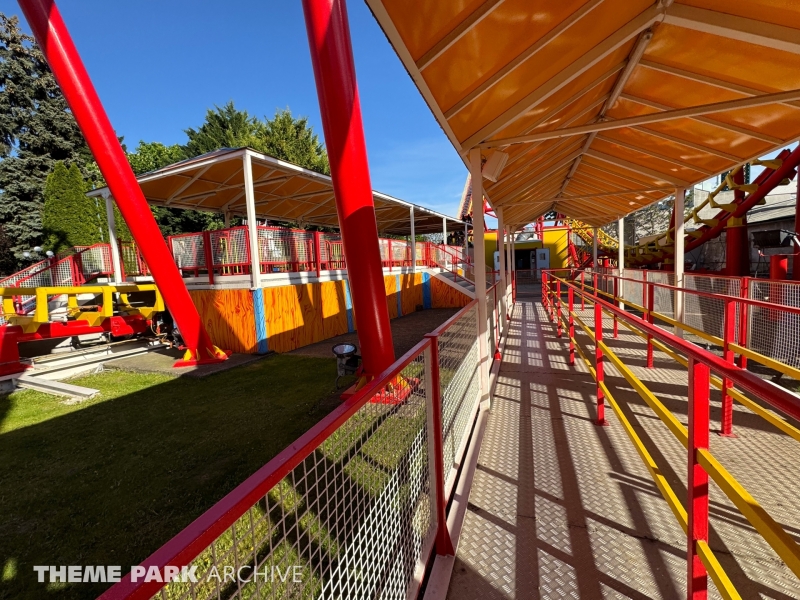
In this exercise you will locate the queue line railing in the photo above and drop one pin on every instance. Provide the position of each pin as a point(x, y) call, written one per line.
point(704, 369)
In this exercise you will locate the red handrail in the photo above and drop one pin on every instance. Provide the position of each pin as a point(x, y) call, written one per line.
point(770, 393)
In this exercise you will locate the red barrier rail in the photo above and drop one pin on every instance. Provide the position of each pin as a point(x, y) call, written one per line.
point(413, 421)
point(702, 464)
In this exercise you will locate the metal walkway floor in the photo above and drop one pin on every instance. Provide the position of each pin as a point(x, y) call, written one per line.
point(561, 508)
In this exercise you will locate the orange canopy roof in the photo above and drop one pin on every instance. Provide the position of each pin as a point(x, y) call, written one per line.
point(282, 191)
point(603, 106)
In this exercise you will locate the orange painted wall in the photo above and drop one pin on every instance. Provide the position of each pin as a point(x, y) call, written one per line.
point(299, 315)
point(228, 316)
point(446, 296)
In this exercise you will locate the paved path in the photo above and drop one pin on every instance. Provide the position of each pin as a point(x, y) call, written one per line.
point(561, 508)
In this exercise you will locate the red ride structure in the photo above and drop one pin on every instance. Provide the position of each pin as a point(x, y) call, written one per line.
point(56, 43)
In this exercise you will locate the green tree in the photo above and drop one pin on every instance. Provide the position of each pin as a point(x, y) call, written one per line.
point(70, 218)
point(294, 140)
point(8, 263)
point(225, 127)
point(283, 136)
point(150, 156)
point(37, 130)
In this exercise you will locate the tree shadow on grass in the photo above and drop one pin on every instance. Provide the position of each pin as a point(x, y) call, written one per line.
point(108, 481)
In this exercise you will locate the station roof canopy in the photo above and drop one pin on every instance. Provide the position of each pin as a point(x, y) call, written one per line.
point(603, 106)
point(282, 191)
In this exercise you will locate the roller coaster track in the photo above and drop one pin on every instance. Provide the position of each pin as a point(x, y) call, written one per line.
point(778, 171)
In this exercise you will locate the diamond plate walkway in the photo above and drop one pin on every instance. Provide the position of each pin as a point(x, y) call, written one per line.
point(561, 508)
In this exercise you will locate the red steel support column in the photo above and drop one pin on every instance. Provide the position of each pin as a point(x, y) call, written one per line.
point(598, 363)
point(697, 487)
point(728, 328)
point(444, 545)
point(52, 36)
point(340, 108)
point(571, 321)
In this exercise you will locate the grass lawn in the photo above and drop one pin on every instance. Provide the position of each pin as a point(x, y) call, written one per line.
point(109, 480)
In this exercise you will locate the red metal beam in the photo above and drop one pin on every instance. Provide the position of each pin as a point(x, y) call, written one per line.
point(340, 108)
point(53, 37)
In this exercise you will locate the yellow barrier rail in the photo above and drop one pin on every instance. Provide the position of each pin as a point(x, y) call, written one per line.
point(780, 541)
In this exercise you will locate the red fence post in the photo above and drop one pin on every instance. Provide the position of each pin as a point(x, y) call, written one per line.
point(318, 251)
point(209, 256)
point(558, 307)
point(728, 325)
point(616, 303)
point(444, 544)
point(570, 306)
point(56, 43)
point(340, 108)
point(598, 363)
point(744, 320)
point(697, 487)
point(650, 309)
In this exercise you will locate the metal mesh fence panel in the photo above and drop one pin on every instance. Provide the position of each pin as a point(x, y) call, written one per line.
point(458, 375)
point(632, 291)
point(490, 317)
point(285, 249)
point(94, 260)
point(708, 314)
point(663, 299)
point(774, 333)
point(353, 520)
point(331, 251)
point(230, 251)
point(132, 261)
point(188, 251)
point(401, 252)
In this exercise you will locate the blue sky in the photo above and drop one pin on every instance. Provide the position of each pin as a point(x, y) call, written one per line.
point(159, 65)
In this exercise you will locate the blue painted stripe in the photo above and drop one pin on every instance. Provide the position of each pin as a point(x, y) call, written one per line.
point(348, 303)
point(426, 291)
point(399, 295)
point(261, 321)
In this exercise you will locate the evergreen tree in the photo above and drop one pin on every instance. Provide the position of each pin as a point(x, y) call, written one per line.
point(37, 129)
point(70, 218)
point(225, 127)
point(283, 136)
point(8, 263)
point(294, 140)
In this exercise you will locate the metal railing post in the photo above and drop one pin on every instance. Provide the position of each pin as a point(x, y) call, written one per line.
point(209, 256)
point(598, 363)
point(433, 397)
point(728, 333)
point(558, 307)
point(616, 303)
point(649, 317)
point(570, 307)
point(697, 486)
point(497, 317)
point(318, 251)
point(744, 319)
